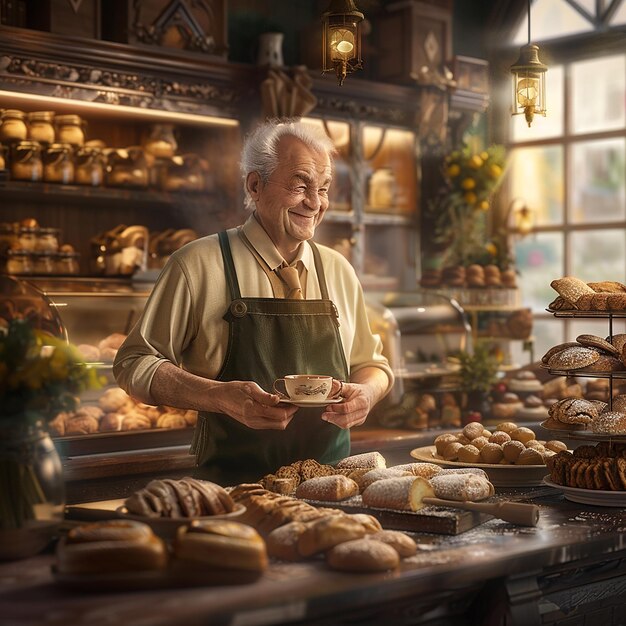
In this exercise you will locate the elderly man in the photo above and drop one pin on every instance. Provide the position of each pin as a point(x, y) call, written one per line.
point(234, 311)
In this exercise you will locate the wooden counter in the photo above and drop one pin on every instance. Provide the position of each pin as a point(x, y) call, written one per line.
point(572, 565)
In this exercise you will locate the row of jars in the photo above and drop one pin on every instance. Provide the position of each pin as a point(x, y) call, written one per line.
point(65, 262)
point(95, 166)
point(42, 126)
point(28, 235)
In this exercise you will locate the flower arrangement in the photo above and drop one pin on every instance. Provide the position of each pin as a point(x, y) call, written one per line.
point(40, 374)
point(461, 207)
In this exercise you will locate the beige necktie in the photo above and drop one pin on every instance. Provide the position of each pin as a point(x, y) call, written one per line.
point(289, 275)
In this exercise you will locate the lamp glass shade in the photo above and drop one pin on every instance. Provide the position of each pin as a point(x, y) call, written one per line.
point(529, 84)
point(341, 33)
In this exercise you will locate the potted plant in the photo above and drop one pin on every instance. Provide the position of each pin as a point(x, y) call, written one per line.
point(478, 371)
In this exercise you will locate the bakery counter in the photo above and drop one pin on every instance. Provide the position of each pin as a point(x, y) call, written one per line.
point(573, 564)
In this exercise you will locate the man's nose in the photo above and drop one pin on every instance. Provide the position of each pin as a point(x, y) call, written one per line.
point(313, 199)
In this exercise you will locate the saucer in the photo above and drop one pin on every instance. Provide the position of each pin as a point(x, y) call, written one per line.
point(304, 403)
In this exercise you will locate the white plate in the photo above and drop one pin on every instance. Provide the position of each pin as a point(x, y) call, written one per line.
point(166, 527)
point(596, 497)
point(304, 404)
point(499, 475)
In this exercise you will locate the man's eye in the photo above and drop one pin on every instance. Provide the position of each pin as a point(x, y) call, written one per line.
point(300, 189)
point(323, 191)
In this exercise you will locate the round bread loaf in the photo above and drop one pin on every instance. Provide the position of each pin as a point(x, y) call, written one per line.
point(113, 546)
point(363, 555)
point(609, 423)
point(442, 441)
point(220, 544)
point(573, 358)
point(593, 341)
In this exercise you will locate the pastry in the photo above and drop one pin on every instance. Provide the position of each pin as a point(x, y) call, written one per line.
point(282, 542)
point(219, 544)
point(469, 454)
point(491, 453)
point(425, 470)
point(327, 532)
point(524, 381)
point(511, 450)
point(363, 555)
point(472, 430)
point(522, 434)
point(442, 441)
point(327, 488)
point(400, 493)
point(81, 425)
point(113, 546)
point(461, 487)
point(399, 541)
point(380, 474)
point(499, 437)
point(571, 288)
point(451, 452)
point(533, 409)
point(609, 423)
point(367, 459)
point(169, 420)
point(113, 399)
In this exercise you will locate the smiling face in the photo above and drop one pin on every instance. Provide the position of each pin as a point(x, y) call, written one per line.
point(294, 200)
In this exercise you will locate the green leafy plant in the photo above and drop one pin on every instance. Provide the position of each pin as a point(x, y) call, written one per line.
point(478, 369)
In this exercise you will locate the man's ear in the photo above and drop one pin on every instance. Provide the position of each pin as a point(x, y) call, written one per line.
point(254, 185)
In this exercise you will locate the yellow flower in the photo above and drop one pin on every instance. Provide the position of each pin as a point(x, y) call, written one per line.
point(468, 183)
point(475, 162)
point(495, 171)
point(484, 155)
point(453, 170)
point(491, 249)
point(470, 197)
point(484, 205)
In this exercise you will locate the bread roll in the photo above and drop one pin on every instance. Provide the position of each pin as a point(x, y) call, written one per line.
point(363, 555)
point(327, 532)
point(114, 546)
point(399, 541)
point(461, 487)
point(220, 544)
point(425, 470)
point(379, 474)
point(571, 288)
point(113, 399)
point(282, 542)
point(373, 460)
point(403, 493)
point(327, 488)
point(81, 425)
point(113, 341)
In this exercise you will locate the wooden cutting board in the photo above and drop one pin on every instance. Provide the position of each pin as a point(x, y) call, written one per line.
point(432, 519)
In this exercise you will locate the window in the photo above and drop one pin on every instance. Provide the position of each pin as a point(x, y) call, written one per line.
point(570, 167)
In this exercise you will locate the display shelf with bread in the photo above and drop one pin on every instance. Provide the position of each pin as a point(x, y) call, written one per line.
point(590, 474)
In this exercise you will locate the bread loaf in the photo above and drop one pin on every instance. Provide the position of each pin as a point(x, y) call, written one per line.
point(379, 474)
point(114, 546)
point(425, 470)
point(399, 541)
point(327, 532)
point(571, 288)
point(403, 493)
point(327, 488)
point(373, 460)
point(282, 542)
point(461, 487)
point(220, 544)
point(363, 555)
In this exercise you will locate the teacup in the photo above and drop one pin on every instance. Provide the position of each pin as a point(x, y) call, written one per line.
point(310, 388)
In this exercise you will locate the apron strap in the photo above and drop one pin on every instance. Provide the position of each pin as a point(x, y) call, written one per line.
point(229, 266)
point(319, 268)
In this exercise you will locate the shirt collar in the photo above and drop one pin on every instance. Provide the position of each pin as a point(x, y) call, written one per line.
point(267, 250)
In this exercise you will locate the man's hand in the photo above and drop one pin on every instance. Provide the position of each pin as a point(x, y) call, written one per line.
point(247, 403)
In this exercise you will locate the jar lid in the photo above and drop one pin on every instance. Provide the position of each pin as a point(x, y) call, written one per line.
point(16, 113)
point(65, 254)
point(28, 145)
point(49, 230)
point(28, 229)
point(59, 147)
point(19, 252)
point(41, 116)
point(69, 119)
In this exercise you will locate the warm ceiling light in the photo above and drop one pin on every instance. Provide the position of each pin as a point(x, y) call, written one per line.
point(529, 81)
point(341, 39)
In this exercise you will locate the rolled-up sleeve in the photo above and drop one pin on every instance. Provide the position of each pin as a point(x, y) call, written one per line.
point(161, 334)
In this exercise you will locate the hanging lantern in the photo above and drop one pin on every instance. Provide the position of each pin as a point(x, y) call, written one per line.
point(529, 81)
point(341, 39)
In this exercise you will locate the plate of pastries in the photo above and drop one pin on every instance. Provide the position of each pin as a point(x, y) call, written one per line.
point(510, 454)
point(166, 504)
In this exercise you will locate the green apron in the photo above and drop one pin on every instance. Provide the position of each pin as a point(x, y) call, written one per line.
point(268, 339)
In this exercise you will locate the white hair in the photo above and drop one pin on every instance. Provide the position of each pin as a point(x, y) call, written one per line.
point(260, 149)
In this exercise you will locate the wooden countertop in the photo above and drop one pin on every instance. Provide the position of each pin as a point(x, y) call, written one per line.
point(445, 567)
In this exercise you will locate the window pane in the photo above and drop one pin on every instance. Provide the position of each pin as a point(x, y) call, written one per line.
point(551, 19)
point(598, 255)
point(536, 176)
point(599, 94)
point(552, 124)
point(539, 259)
point(547, 332)
point(620, 15)
point(599, 327)
point(598, 183)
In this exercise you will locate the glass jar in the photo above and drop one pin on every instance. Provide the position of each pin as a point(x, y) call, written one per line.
point(127, 167)
point(3, 163)
point(26, 161)
point(19, 262)
point(70, 129)
point(44, 263)
point(27, 237)
point(161, 142)
point(13, 127)
point(8, 237)
point(58, 164)
point(32, 489)
point(47, 240)
point(41, 126)
point(67, 263)
point(89, 166)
